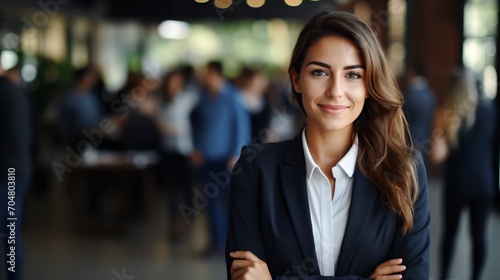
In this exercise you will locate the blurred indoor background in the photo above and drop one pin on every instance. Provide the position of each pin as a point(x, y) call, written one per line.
point(101, 203)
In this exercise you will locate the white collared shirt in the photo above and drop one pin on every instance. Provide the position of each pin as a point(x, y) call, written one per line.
point(329, 217)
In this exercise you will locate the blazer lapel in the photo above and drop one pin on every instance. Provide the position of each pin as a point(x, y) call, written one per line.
point(363, 198)
point(293, 179)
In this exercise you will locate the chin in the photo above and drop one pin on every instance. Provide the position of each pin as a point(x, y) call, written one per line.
point(334, 127)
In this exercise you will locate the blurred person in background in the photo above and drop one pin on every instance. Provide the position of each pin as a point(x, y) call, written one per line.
point(138, 133)
point(139, 130)
point(253, 84)
point(15, 159)
point(221, 126)
point(466, 121)
point(80, 108)
point(287, 119)
point(419, 106)
point(178, 100)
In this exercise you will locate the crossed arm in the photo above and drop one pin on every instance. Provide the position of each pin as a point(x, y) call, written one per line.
point(247, 257)
point(247, 266)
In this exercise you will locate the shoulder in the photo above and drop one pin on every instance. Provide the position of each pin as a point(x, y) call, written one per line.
point(262, 158)
point(257, 161)
point(420, 170)
point(418, 160)
point(269, 153)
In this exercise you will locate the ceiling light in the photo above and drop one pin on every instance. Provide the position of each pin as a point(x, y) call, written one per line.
point(223, 4)
point(293, 3)
point(173, 29)
point(8, 59)
point(256, 3)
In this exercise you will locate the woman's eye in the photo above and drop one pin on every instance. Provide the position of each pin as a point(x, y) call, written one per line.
point(353, 75)
point(318, 73)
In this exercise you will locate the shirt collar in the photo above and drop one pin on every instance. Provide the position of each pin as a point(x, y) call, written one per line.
point(347, 163)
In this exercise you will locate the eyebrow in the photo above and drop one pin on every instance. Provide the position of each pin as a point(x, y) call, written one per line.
point(322, 64)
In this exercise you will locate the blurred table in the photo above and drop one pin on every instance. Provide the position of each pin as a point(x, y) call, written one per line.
point(111, 189)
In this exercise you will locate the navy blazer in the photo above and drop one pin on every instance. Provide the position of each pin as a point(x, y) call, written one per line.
point(269, 216)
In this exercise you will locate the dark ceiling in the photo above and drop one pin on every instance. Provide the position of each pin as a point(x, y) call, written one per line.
point(158, 10)
point(189, 10)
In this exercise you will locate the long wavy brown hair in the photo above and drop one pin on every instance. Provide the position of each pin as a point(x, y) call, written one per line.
point(385, 155)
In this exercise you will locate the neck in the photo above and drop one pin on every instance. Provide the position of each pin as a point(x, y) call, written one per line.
point(328, 147)
point(216, 87)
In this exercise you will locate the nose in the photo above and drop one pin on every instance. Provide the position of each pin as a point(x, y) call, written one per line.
point(334, 89)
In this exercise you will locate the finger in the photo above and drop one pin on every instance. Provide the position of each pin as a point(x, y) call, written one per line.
point(392, 262)
point(387, 272)
point(239, 264)
point(388, 266)
point(390, 277)
point(246, 255)
point(239, 274)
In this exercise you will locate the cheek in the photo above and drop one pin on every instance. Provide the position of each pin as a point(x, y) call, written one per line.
point(306, 102)
point(313, 89)
point(358, 93)
point(309, 95)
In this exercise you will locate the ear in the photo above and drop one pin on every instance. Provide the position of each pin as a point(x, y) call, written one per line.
point(295, 81)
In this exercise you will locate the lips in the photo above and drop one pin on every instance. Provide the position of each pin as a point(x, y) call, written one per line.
point(333, 109)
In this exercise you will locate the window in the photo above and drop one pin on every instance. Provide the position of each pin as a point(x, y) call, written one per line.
point(479, 46)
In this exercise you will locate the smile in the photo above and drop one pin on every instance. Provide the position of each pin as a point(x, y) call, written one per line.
point(333, 109)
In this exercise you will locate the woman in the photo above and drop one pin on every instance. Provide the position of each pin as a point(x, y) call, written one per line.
point(466, 144)
point(179, 100)
point(253, 84)
point(347, 198)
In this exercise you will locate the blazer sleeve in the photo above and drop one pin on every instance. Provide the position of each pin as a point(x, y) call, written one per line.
point(245, 232)
point(414, 246)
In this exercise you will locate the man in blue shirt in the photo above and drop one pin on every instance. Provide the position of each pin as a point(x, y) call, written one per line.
point(221, 126)
point(80, 108)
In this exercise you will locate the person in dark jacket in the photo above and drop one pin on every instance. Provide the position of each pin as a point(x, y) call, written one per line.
point(15, 175)
point(467, 123)
point(420, 104)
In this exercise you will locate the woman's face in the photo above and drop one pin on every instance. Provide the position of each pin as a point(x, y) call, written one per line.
point(174, 84)
point(332, 84)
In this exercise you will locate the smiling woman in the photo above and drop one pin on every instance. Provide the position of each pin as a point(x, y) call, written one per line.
point(332, 85)
point(346, 198)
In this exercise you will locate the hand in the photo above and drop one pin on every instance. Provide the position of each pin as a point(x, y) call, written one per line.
point(389, 270)
point(247, 266)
